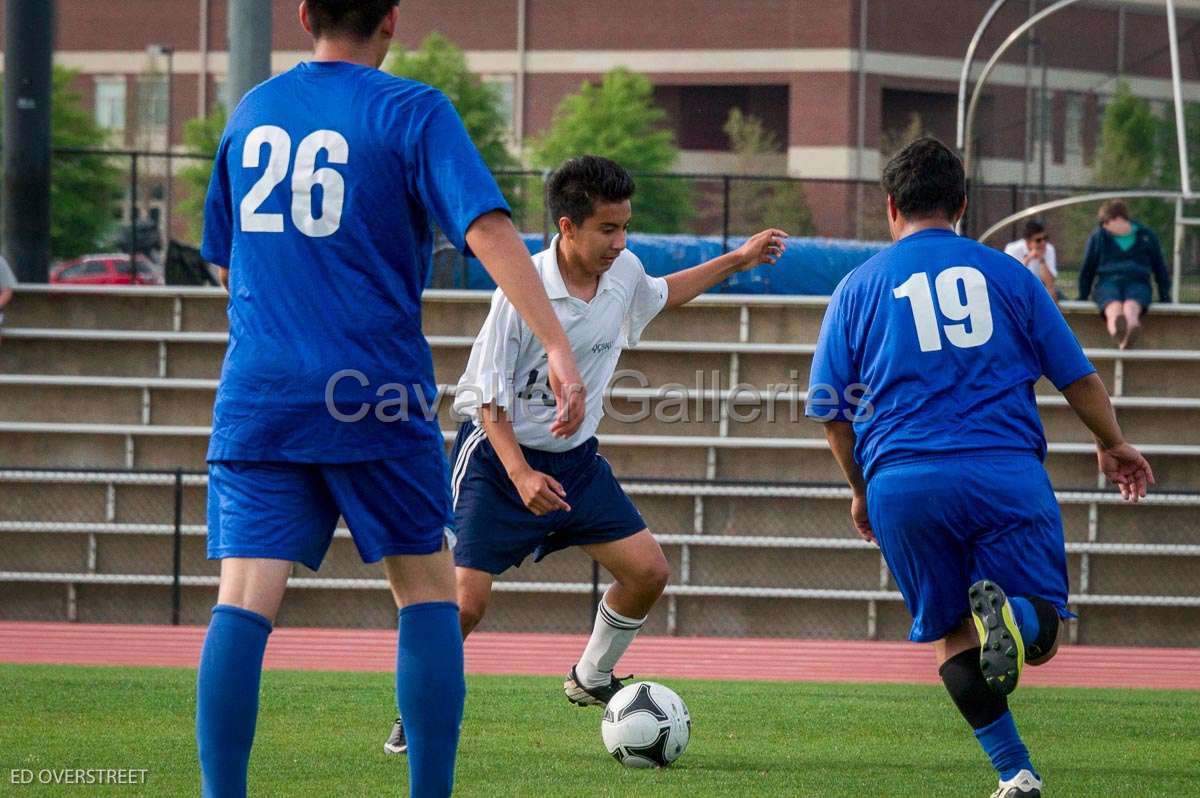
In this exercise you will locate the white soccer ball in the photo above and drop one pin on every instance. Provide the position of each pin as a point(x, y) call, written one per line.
point(646, 725)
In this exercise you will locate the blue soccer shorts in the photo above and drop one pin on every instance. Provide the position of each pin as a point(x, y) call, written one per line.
point(495, 531)
point(288, 511)
point(944, 523)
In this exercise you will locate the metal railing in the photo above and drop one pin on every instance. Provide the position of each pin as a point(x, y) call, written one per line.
point(120, 512)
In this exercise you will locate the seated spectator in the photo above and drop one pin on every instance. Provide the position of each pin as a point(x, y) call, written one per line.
point(1120, 256)
point(8, 281)
point(1037, 253)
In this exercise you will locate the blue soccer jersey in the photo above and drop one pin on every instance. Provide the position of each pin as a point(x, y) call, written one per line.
point(933, 347)
point(323, 192)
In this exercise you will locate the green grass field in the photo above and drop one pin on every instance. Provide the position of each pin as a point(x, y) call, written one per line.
point(321, 734)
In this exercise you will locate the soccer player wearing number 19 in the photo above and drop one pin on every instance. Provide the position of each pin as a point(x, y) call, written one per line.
point(319, 211)
point(944, 339)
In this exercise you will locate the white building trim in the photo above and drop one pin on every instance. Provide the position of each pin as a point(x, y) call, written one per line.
point(697, 62)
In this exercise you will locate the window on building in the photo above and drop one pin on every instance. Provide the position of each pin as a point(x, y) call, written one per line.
point(223, 92)
point(152, 109)
point(698, 114)
point(505, 88)
point(1073, 128)
point(110, 103)
point(907, 115)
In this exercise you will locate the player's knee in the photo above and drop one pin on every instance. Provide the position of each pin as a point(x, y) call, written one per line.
point(654, 576)
point(470, 613)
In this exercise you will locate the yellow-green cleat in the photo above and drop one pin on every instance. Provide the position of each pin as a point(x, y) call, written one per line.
point(1001, 648)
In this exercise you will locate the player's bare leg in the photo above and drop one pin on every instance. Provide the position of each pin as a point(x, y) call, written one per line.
point(254, 584)
point(227, 683)
point(474, 590)
point(1132, 312)
point(640, 574)
point(415, 579)
point(1114, 320)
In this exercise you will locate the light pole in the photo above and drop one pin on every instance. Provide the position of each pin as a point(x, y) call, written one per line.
point(155, 51)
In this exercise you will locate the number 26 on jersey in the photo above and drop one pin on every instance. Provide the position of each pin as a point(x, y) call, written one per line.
point(952, 285)
point(305, 177)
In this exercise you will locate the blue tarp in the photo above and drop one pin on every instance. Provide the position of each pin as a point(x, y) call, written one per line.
point(810, 265)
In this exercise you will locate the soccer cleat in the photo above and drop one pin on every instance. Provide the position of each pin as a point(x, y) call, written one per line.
point(1001, 648)
point(1022, 785)
point(396, 743)
point(584, 696)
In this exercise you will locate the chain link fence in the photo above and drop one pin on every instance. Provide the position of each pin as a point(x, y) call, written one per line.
point(152, 198)
point(747, 560)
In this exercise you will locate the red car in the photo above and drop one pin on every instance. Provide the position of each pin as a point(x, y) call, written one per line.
point(110, 269)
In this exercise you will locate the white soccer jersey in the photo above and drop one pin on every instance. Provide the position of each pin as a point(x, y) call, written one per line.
point(508, 363)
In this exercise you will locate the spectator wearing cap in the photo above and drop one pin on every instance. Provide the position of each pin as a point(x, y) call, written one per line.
point(1038, 255)
point(1121, 256)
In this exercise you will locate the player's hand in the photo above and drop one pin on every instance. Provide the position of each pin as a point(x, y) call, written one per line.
point(858, 512)
point(765, 247)
point(569, 392)
point(1125, 466)
point(541, 493)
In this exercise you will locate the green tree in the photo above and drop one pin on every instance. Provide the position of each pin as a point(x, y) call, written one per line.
point(759, 203)
point(201, 136)
point(442, 64)
point(1138, 149)
point(85, 188)
point(617, 119)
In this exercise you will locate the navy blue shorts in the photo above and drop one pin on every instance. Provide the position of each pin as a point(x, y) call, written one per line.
point(944, 523)
point(1120, 288)
point(494, 529)
point(288, 511)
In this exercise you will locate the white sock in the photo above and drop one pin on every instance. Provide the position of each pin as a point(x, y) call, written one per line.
point(611, 636)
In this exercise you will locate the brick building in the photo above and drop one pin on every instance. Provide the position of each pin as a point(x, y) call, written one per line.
point(835, 80)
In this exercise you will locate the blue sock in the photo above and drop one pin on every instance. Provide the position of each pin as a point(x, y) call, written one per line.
point(227, 698)
point(430, 691)
point(1027, 620)
point(1003, 746)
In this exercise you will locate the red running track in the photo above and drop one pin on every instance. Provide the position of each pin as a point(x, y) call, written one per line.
point(553, 655)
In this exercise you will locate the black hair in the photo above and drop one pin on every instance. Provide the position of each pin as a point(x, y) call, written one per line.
point(1032, 228)
point(575, 187)
point(357, 19)
point(926, 179)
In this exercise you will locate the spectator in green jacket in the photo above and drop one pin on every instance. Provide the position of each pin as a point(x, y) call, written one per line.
point(1120, 257)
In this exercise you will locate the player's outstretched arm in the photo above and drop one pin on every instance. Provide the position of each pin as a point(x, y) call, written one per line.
point(495, 242)
point(840, 435)
point(764, 247)
point(1119, 461)
point(541, 493)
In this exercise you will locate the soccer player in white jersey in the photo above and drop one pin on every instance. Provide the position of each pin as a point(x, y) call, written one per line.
point(518, 490)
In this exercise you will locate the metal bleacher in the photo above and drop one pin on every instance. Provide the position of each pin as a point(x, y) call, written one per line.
point(747, 509)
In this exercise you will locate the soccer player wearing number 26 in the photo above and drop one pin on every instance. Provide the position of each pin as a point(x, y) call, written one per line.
point(323, 192)
point(517, 489)
point(924, 376)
